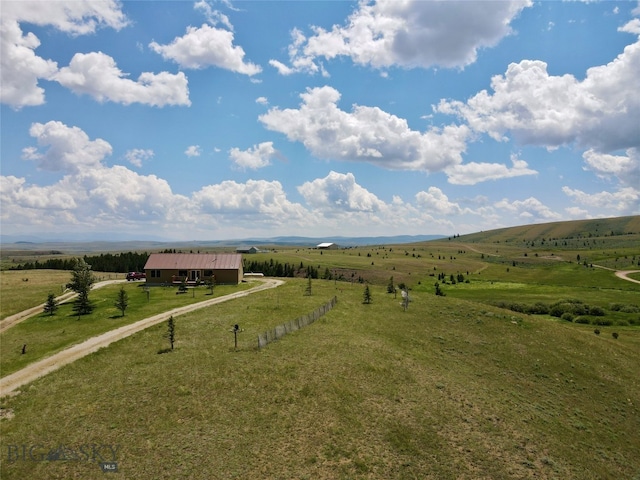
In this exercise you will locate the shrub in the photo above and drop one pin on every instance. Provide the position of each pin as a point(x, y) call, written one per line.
point(518, 307)
point(556, 311)
point(582, 320)
point(567, 316)
point(603, 322)
point(538, 308)
point(620, 307)
point(596, 311)
point(596, 331)
point(615, 335)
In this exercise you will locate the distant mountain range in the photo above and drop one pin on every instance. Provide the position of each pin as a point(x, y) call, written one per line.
point(29, 242)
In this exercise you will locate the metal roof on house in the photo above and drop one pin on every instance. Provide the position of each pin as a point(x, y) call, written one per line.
point(325, 245)
point(194, 261)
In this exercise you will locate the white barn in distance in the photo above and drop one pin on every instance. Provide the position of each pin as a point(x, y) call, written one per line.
point(327, 246)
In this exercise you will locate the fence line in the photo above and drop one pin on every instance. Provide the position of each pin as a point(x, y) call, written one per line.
point(280, 331)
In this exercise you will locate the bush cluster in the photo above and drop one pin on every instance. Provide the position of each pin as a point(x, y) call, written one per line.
point(573, 310)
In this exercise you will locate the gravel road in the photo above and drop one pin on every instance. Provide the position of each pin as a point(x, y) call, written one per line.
point(10, 383)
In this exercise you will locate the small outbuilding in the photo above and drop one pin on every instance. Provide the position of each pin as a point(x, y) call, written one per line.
point(193, 268)
point(327, 246)
point(247, 250)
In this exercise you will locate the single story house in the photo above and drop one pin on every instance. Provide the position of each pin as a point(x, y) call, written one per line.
point(194, 268)
point(327, 246)
point(247, 250)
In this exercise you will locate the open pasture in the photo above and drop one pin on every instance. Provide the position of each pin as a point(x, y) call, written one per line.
point(447, 389)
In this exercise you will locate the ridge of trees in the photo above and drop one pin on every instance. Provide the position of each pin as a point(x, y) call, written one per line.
point(105, 262)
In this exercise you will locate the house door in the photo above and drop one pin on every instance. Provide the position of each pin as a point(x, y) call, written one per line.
point(194, 275)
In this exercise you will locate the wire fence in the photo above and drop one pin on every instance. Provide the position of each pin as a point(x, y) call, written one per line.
point(280, 331)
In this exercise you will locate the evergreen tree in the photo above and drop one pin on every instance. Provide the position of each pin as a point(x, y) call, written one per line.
point(51, 304)
point(390, 287)
point(367, 295)
point(171, 331)
point(307, 291)
point(122, 301)
point(81, 280)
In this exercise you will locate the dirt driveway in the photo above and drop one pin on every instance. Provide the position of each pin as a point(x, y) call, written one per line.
point(624, 275)
point(11, 383)
point(12, 320)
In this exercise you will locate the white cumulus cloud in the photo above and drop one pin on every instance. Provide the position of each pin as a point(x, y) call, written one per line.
point(206, 46)
point(626, 168)
point(625, 201)
point(474, 172)
point(21, 68)
point(528, 210)
point(410, 33)
point(366, 134)
point(260, 200)
point(138, 155)
point(600, 112)
point(68, 149)
point(258, 156)
point(89, 194)
point(435, 202)
point(193, 151)
point(338, 191)
point(96, 74)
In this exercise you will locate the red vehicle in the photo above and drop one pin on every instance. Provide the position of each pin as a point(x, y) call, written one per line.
point(136, 276)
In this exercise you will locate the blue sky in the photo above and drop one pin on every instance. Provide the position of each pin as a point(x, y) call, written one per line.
point(233, 119)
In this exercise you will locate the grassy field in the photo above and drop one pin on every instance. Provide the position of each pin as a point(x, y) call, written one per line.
point(448, 389)
point(454, 388)
point(20, 290)
point(45, 334)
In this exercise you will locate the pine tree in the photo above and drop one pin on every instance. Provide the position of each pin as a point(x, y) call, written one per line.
point(367, 295)
point(81, 280)
point(390, 287)
point(307, 291)
point(51, 304)
point(171, 331)
point(122, 301)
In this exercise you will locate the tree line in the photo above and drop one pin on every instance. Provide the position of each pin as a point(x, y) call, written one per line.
point(271, 268)
point(105, 262)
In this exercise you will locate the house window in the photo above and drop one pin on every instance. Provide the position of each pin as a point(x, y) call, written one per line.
point(155, 273)
point(182, 273)
point(208, 273)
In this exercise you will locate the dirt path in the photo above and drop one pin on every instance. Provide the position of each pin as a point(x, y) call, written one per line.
point(38, 369)
point(12, 320)
point(624, 274)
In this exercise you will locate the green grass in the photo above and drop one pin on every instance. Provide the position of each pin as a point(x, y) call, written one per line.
point(47, 334)
point(448, 389)
point(454, 388)
point(20, 290)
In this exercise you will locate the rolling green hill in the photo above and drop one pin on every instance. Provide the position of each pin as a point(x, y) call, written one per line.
point(568, 230)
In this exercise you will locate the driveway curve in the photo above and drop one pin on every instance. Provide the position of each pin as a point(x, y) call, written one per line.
point(14, 319)
point(624, 274)
point(11, 383)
